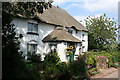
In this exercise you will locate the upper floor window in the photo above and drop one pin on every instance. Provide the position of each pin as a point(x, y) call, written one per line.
point(83, 36)
point(70, 31)
point(32, 27)
point(76, 31)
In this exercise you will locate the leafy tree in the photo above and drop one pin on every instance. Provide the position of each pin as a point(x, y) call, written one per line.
point(118, 47)
point(102, 31)
point(13, 64)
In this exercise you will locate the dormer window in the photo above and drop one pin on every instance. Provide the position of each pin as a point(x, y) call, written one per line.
point(83, 35)
point(70, 31)
point(32, 27)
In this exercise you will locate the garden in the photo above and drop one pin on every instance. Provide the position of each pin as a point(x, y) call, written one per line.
point(85, 66)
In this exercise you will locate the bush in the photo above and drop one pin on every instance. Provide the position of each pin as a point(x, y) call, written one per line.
point(34, 57)
point(78, 67)
point(75, 69)
point(50, 71)
point(65, 74)
point(91, 60)
point(93, 71)
point(32, 71)
point(52, 66)
point(52, 58)
point(118, 47)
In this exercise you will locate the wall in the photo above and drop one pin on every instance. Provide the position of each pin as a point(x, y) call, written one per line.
point(43, 30)
point(61, 51)
point(80, 37)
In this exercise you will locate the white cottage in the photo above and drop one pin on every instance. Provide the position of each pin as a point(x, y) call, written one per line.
point(54, 29)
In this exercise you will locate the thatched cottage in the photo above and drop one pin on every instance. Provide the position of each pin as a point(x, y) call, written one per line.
point(55, 30)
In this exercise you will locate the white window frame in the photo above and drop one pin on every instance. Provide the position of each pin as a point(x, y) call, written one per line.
point(31, 44)
point(32, 29)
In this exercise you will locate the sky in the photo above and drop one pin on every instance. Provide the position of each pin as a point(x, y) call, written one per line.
point(80, 9)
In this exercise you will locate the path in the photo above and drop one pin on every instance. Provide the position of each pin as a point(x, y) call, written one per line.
point(107, 73)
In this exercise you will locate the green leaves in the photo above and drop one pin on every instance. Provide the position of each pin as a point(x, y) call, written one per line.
point(24, 8)
point(102, 30)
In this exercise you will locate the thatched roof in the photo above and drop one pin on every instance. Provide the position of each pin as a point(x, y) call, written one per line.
point(60, 35)
point(59, 16)
point(56, 16)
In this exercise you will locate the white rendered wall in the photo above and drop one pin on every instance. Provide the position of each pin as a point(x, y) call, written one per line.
point(61, 51)
point(43, 30)
point(80, 37)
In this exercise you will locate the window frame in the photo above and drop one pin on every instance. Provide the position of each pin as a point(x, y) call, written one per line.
point(32, 45)
point(32, 29)
point(70, 31)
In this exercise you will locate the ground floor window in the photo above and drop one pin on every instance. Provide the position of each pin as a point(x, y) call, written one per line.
point(53, 47)
point(31, 48)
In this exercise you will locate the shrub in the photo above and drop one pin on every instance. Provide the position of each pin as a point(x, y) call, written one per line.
point(118, 47)
point(34, 57)
point(52, 66)
point(32, 71)
point(93, 71)
point(78, 67)
point(65, 74)
point(50, 71)
point(52, 58)
point(91, 60)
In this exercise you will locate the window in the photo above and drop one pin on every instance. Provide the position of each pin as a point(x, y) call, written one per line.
point(53, 47)
point(70, 31)
point(76, 31)
point(83, 35)
point(32, 27)
point(83, 48)
point(55, 27)
point(83, 40)
point(32, 47)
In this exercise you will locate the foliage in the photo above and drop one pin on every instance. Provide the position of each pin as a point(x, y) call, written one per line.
point(32, 71)
point(14, 66)
point(34, 57)
point(102, 31)
point(25, 8)
point(93, 71)
point(70, 50)
point(112, 57)
point(66, 73)
point(52, 58)
point(52, 66)
point(11, 58)
point(91, 60)
point(50, 71)
point(78, 67)
point(118, 47)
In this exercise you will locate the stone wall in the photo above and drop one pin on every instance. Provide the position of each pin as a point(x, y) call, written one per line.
point(102, 62)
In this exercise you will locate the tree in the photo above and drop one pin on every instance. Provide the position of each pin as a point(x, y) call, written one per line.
point(13, 64)
point(102, 31)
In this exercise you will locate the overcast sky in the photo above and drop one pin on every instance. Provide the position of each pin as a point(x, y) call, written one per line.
point(80, 9)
